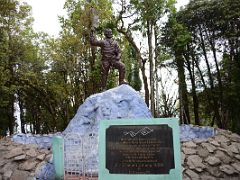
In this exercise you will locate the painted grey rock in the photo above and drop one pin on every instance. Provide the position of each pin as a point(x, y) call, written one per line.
point(191, 132)
point(117, 103)
point(42, 141)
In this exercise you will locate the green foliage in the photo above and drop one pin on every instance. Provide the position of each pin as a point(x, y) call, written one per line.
point(15, 23)
point(176, 34)
point(151, 10)
point(205, 29)
point(132, 68)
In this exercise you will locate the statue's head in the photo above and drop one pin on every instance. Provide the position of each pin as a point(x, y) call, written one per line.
point(108, 33)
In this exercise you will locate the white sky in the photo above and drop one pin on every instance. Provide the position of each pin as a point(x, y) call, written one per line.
point(46, 12)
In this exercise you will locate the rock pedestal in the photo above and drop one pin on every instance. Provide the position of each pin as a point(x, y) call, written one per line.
point(117, 103)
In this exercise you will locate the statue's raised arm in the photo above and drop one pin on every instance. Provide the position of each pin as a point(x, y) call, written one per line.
point(93, 40)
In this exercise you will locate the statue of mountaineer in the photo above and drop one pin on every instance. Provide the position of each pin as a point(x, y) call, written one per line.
point(111, 55)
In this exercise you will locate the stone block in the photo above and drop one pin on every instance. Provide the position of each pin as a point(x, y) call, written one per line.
point(223, 157)
point(227, 169)
point(14, 152)
point(20, 175)
point(7, 175)
point(192, 174)
point(189, 151)
point(195, 162)
point(213, 160)
point(28, 165)
point(19, 158)
point(41, 157)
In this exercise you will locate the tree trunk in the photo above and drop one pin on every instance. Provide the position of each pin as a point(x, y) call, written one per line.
point(151, 65)
point(184, 109)
point(220, 87)
point(194, 94)
point(145, 83)
point(22, 115)
point(215, 103)
point(11, 119)
point(141, 61)
point(157, 114)
point(209, 96)
point(156, 52)
point(37, 122)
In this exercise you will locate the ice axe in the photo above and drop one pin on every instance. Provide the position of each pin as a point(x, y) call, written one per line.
point(94, 18)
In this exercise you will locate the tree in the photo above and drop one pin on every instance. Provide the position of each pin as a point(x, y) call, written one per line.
point(15, 21)
point(210, 58)
point(176, 37)
point(145, 17)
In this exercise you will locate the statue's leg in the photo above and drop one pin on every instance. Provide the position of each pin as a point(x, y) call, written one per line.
point(105, 69)
point(121, 69)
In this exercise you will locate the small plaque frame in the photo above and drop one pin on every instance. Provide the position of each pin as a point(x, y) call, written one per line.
point(139, 149)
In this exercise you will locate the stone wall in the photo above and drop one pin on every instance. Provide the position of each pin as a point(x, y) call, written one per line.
point(24, 161)
point(216, 158)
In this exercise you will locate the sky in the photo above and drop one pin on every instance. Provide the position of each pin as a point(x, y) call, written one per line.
point(46, 12)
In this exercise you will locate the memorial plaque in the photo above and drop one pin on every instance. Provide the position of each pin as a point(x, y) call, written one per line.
point(139, 149)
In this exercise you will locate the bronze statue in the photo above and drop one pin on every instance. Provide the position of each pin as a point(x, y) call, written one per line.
point(111, 55)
